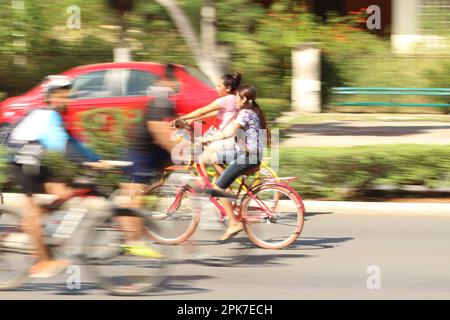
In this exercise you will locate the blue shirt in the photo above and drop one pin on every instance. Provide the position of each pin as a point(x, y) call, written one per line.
point(47, 128)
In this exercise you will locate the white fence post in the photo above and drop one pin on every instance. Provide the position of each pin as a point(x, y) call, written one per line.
point(306, 85)
point(405, 26)
point(122, 54)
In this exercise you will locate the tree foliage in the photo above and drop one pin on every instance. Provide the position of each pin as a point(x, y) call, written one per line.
point(259, 34)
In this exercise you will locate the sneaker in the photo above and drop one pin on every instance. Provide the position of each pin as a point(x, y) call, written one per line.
point(48, 269)
point(142, 250)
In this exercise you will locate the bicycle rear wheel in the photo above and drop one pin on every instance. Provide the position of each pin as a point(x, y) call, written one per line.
point(119, 270)
point(15, 250)
point(273, 218)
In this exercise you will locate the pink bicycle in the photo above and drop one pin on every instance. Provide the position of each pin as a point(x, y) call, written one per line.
point(271, 211)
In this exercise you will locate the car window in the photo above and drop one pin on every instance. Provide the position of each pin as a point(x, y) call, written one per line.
point(90, 85)
point(138, 82)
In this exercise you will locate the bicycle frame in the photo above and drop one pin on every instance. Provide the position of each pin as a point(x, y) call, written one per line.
point(243, 187)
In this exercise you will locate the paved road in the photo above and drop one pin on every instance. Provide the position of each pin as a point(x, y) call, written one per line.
point(411, 252)
point(356, 133)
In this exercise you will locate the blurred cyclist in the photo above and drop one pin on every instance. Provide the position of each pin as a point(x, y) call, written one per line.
point(39, 131)
point(150, 151)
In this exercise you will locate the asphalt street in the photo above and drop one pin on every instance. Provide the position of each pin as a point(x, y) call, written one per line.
point(341, 254)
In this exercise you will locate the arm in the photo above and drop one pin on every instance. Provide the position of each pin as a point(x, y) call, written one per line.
point(201, 112)
point(162, 134)
point(230, 131)
point(78, 152)
point(207, 115)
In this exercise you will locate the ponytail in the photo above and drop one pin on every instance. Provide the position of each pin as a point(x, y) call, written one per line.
point(262, 118)
point(232, 81)
point(249, 93)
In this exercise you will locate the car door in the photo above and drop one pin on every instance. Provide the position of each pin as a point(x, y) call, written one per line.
point(107, 100)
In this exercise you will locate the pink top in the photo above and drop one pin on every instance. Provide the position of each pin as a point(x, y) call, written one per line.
point(227, 110)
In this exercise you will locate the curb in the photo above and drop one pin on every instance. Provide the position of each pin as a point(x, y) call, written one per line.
point(362, 208)
point(336, 207)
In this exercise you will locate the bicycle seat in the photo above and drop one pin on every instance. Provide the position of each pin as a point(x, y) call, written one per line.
point(251, 171)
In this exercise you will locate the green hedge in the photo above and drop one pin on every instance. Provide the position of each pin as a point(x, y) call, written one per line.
point(3, 166)
point(336, 173)
point(344, 173)
point(273, 108)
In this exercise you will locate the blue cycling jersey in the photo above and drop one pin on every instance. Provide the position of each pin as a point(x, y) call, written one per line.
point(47, 128)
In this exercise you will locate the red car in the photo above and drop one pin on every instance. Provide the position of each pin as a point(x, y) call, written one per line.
point(112, 92)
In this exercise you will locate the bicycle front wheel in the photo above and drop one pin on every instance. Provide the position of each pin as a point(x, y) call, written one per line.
point(119, 266)
point(15, 251)
point(273, 216)
point(172, 213)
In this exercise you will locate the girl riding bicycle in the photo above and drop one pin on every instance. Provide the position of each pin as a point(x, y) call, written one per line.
point(224, 108)
point(250, 126)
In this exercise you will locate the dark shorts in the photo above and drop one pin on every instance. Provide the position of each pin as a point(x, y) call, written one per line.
point(239, 162)
point(147, 166)
point(31, 181)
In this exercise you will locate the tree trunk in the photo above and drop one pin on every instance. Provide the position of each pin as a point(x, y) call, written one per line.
point(205, 59)
point(122, 51)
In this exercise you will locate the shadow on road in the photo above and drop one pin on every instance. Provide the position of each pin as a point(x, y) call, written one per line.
point(179, 285)
point(172, 285)
point(310, 243)
point(261, 257)
point(57, 288)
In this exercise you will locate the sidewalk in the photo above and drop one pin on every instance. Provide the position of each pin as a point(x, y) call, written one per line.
point(340, 133)
point(335, 207)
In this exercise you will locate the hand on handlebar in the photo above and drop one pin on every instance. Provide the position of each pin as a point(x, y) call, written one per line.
point(100, 165)
point(172, 123)
point(180, 124)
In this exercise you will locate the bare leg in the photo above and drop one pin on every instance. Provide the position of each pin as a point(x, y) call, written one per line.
point(234, 226)
point(33, 218)
point(219, 169)
point(32, 224)
point(61, 190)
point(209, 156)
point(228, 206)
point(32, 221)
point(133, 226)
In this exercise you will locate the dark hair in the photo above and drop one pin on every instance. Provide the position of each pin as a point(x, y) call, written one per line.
point(232, 81)
point(52, 89)
point(249, 94)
